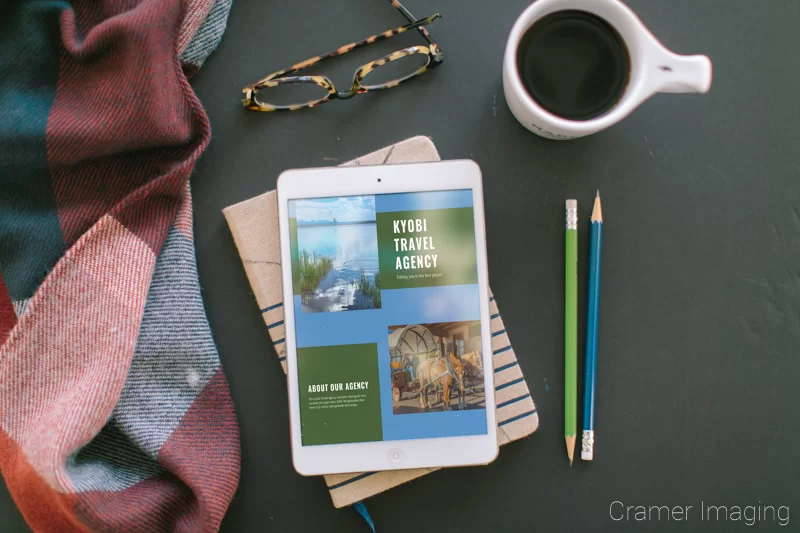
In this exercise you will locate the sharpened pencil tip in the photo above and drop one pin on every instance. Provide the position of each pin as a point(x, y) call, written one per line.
point(597, 211)
point(598, 194)
point(570, 447)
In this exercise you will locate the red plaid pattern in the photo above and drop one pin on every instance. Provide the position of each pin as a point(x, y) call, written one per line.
point(114, 411)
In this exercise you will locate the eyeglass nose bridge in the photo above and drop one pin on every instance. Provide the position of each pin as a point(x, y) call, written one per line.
point(355, 88)
point(349, 94)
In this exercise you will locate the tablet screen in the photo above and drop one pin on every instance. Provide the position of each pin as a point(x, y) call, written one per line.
point(387, 317)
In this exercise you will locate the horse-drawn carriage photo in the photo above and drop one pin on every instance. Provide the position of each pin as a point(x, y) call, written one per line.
point(436, 367)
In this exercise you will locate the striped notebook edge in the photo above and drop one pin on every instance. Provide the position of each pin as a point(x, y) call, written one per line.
point(254, 225)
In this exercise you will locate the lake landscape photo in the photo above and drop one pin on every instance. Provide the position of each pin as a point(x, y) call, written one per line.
point(337, 254)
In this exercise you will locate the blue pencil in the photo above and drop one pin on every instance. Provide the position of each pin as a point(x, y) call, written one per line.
point(593, 304)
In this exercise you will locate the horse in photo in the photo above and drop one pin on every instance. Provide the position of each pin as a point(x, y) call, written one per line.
point(473, 366)
point(443, 374)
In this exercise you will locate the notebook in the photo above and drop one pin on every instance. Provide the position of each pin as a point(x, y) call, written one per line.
point(254, 225)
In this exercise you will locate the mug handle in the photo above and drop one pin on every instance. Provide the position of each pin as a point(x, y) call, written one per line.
point(682, 74)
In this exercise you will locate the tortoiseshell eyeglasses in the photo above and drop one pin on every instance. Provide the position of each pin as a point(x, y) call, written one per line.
point(411, 62)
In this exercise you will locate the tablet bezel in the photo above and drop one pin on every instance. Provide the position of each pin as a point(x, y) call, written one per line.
point(415, 453)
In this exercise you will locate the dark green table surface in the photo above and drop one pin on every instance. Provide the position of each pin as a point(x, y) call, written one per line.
point(699, 359)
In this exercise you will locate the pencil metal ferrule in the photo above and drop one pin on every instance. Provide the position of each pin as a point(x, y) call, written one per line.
point(572, 218)
point(587, 445)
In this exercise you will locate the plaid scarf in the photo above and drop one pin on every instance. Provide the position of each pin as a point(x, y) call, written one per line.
point(115, 414)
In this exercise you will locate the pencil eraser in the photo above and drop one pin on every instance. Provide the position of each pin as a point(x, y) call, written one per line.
point(587, 456)
point(572, 204)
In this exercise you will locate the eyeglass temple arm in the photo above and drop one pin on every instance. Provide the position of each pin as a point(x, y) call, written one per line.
point(348, 47)
point(407, 14)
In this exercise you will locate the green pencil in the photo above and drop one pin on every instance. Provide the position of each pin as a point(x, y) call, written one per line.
point(571, 328)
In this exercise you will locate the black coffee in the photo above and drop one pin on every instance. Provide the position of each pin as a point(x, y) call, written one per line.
point(574, 64)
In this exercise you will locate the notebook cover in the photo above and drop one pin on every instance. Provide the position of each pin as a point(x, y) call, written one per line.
point(254, 225)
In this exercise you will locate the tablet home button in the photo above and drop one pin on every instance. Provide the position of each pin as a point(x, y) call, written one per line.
point(395, 455)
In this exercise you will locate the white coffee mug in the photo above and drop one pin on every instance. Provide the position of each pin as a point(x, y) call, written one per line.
point(654, 69)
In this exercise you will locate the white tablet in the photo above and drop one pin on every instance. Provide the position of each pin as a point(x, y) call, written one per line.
point(388, 344)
